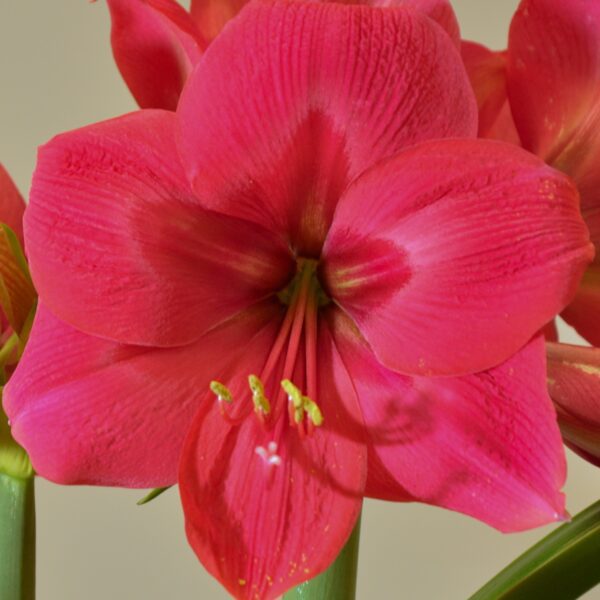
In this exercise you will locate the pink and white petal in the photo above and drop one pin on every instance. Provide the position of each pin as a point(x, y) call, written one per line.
point(574, 384)
point(12, 205)
point(211, 16)
point(155, 44)
point(260, 528)
point(294, 100)
point(487, 72)
point(583, 313)
point(453, 254)
point(486, 445)
point(554, 86)
point(119, 247)
point(92, 411)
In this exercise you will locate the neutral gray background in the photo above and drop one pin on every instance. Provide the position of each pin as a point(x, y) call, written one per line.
point(56, 73)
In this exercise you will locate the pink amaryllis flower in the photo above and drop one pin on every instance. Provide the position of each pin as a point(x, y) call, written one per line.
point(574, 382)
point(289, 295)
point(550, 75)
point(156, 43)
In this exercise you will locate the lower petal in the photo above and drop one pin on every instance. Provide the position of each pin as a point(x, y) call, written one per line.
point(92, 411)
point(486, 445)
point(261, 526)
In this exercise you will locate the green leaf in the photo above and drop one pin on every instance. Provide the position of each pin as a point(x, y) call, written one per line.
point(152, 494)
point(338, 582)
point(562, 566)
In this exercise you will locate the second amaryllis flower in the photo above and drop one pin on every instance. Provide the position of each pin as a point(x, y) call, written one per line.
point(281, 273)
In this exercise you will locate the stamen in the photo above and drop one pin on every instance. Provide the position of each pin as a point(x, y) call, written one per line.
point(223, 396)
point(301, 405)
point(262, 406)
point(313, 411)
point(221, 392)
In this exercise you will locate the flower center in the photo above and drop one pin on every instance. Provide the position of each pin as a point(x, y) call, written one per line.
point(302, 296)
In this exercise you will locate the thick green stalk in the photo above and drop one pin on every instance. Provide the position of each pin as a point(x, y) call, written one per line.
point(17, 538)
point(339, 581)
point(562, 566)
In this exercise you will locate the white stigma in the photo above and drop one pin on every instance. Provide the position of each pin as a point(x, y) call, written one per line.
point(269, 454)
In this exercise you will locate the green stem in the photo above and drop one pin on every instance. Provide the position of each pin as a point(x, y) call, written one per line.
point(562, 566)
point(339, 581)
point(17, 538)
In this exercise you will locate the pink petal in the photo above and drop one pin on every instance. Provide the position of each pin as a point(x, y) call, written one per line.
point(211, 16)
point(584, 311)
point(440, 11)
point(262, 528)
point(12, 204)
point(487, 72)
point(574, 384)
point(450, 256)
point(296, 99)
point(486, 445)
point(91, 411)
point(120, 248)
point(554, 88)
point(155, 44)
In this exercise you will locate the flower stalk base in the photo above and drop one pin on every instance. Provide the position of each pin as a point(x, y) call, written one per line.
point(17, 538)
point(338, 582)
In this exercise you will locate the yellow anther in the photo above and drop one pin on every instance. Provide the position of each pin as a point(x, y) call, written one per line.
point(298, 415)
point(294, 394)
point(313, 411)
point(221, 392)
point(261, 402)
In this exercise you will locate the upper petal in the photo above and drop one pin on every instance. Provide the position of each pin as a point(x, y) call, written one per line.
point(92, 411)
point(120, 248)
point(451, 255)
point(486, 445)
point(155, 44)
point(262, 528)
point(487, 72)
point(554, 88)
point(211, 16)
point(574, 384)
point(294, 100)
point(12, 205)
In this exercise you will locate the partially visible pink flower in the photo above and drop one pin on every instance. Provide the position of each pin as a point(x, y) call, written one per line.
point(16, 303)
point(298, 290)
point(574, 383)
point(551, 74)
point(156, 43)
point(12, 205)
point(16, 290)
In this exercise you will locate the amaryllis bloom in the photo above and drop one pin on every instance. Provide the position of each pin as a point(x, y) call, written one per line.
point(574, 383)
point(297, 291)
point(550, 75)
point(156, 43)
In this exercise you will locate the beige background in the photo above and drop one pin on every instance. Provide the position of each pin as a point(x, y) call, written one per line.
point(56, 73)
